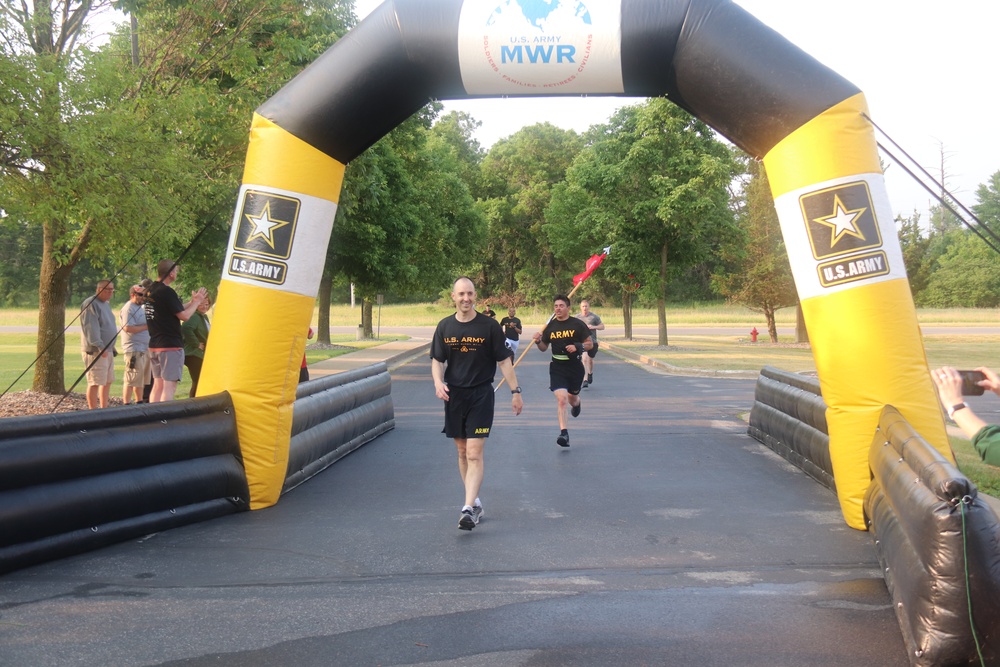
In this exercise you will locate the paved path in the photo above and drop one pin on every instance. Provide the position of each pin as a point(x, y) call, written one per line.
point(663, 536)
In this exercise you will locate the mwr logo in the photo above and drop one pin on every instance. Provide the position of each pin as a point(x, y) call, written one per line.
point(840, 220)
point(257, 268)
point(857, 267)
point(482, 430)
point(267, 224)
point(539, 44)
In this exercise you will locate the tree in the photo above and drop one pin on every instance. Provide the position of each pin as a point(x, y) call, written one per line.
point(761, 276)
point(652, 183)
point(519, 174)
point(405, 216)
point(968, 271)
point(122, 164)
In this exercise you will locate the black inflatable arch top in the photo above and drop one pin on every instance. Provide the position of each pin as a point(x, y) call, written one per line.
point(710, 57)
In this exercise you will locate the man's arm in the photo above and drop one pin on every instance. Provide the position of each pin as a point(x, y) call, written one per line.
point(196, 298)
point(537, 338)
point(90, 326)
point(437, 372)
point(507, 368)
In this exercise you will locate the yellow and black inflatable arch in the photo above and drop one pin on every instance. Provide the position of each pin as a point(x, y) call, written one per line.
point(708, 56)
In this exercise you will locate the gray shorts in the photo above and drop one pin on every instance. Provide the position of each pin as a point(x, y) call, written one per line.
point(167, 365)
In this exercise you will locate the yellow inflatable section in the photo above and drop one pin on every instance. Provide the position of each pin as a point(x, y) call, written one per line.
point(842, 243)
point(277, 249)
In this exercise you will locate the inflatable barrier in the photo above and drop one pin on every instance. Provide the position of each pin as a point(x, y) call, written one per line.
point(789, 416)
point(78, 481)
point(710, 57)
point(939, 546)
point(335, 415)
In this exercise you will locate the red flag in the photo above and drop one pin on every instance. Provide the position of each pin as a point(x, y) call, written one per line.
point(592, 264)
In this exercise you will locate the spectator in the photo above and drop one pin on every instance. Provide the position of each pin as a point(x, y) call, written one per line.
point(97, 343)
point(304, 371)
point(135, 345)
point(985, 437)
point(164, 314)
point(195, 333)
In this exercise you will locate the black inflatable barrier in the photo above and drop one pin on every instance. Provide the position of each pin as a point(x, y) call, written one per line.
point(335, 415)
point(939, 547)
point(72, 482)
point(789, 417)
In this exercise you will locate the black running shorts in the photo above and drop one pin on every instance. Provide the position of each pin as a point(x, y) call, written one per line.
point(468, 412)
point(566, 375)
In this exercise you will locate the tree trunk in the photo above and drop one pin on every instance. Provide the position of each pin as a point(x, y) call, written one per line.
point(801, 334)
point(661, 302)
point(366, 317)
point(627, 313)
point(53, 291)
point(323, 302)
point(772, 328)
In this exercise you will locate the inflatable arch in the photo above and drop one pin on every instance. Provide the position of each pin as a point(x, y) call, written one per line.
point(708, 56)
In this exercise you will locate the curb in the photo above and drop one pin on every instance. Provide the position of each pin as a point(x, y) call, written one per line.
point(642, 359)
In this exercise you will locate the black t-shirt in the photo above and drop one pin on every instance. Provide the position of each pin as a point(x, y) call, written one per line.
point(471, 350)
point(489, 313)
point(560, 334)
point(510, 326)
point(162, 306)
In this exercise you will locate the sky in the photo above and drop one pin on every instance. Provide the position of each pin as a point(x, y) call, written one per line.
point(927, 69)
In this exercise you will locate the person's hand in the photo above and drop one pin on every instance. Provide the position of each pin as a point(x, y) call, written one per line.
point(441, 391)
point(199, 295)
point(537, 337)
point(992, 381)
point(949, 385)
point(571, 351)
point(516, 403)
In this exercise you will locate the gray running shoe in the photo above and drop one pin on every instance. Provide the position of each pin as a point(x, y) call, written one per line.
point(477, 513)
point(563, 440)
point(575, 410)
point(467, 521)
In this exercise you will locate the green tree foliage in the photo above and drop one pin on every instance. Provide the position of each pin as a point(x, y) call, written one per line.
point(120, 160)
point(760, 275)
point(968, 272)
point(916, 248)
point(519, 175)
point(653, 184)
point(406, 218)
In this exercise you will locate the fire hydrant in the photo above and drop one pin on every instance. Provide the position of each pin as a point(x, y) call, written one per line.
point(753, 335)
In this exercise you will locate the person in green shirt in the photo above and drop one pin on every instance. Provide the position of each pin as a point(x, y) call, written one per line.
point(195, 332)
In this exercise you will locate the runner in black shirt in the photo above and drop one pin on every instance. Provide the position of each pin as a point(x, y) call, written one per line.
point(466, 349)
point(569, 337)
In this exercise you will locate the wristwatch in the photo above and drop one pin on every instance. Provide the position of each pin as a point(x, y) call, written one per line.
point(516, 391)
point(955, 408)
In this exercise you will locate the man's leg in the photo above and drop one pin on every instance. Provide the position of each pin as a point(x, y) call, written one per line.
point(93, 396)
point(167, 390)
point(562, 400)
point(470, 466)
point(155, 396)
point(104, 394)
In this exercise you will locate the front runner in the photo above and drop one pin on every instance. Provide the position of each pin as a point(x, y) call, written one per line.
point(569, 338)
point(466, 349)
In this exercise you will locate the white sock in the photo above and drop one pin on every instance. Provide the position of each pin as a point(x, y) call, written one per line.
point(478, 502)
point(466, 507)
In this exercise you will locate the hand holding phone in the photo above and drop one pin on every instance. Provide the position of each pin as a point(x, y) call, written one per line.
point(970, 382)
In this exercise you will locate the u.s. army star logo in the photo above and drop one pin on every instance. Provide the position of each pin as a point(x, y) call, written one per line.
point(840, 220)
point(267, 224)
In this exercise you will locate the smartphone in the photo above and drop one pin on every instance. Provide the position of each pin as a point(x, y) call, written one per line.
point(969, 383)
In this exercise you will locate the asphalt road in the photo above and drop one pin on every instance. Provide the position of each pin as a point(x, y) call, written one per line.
point(663, 536)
